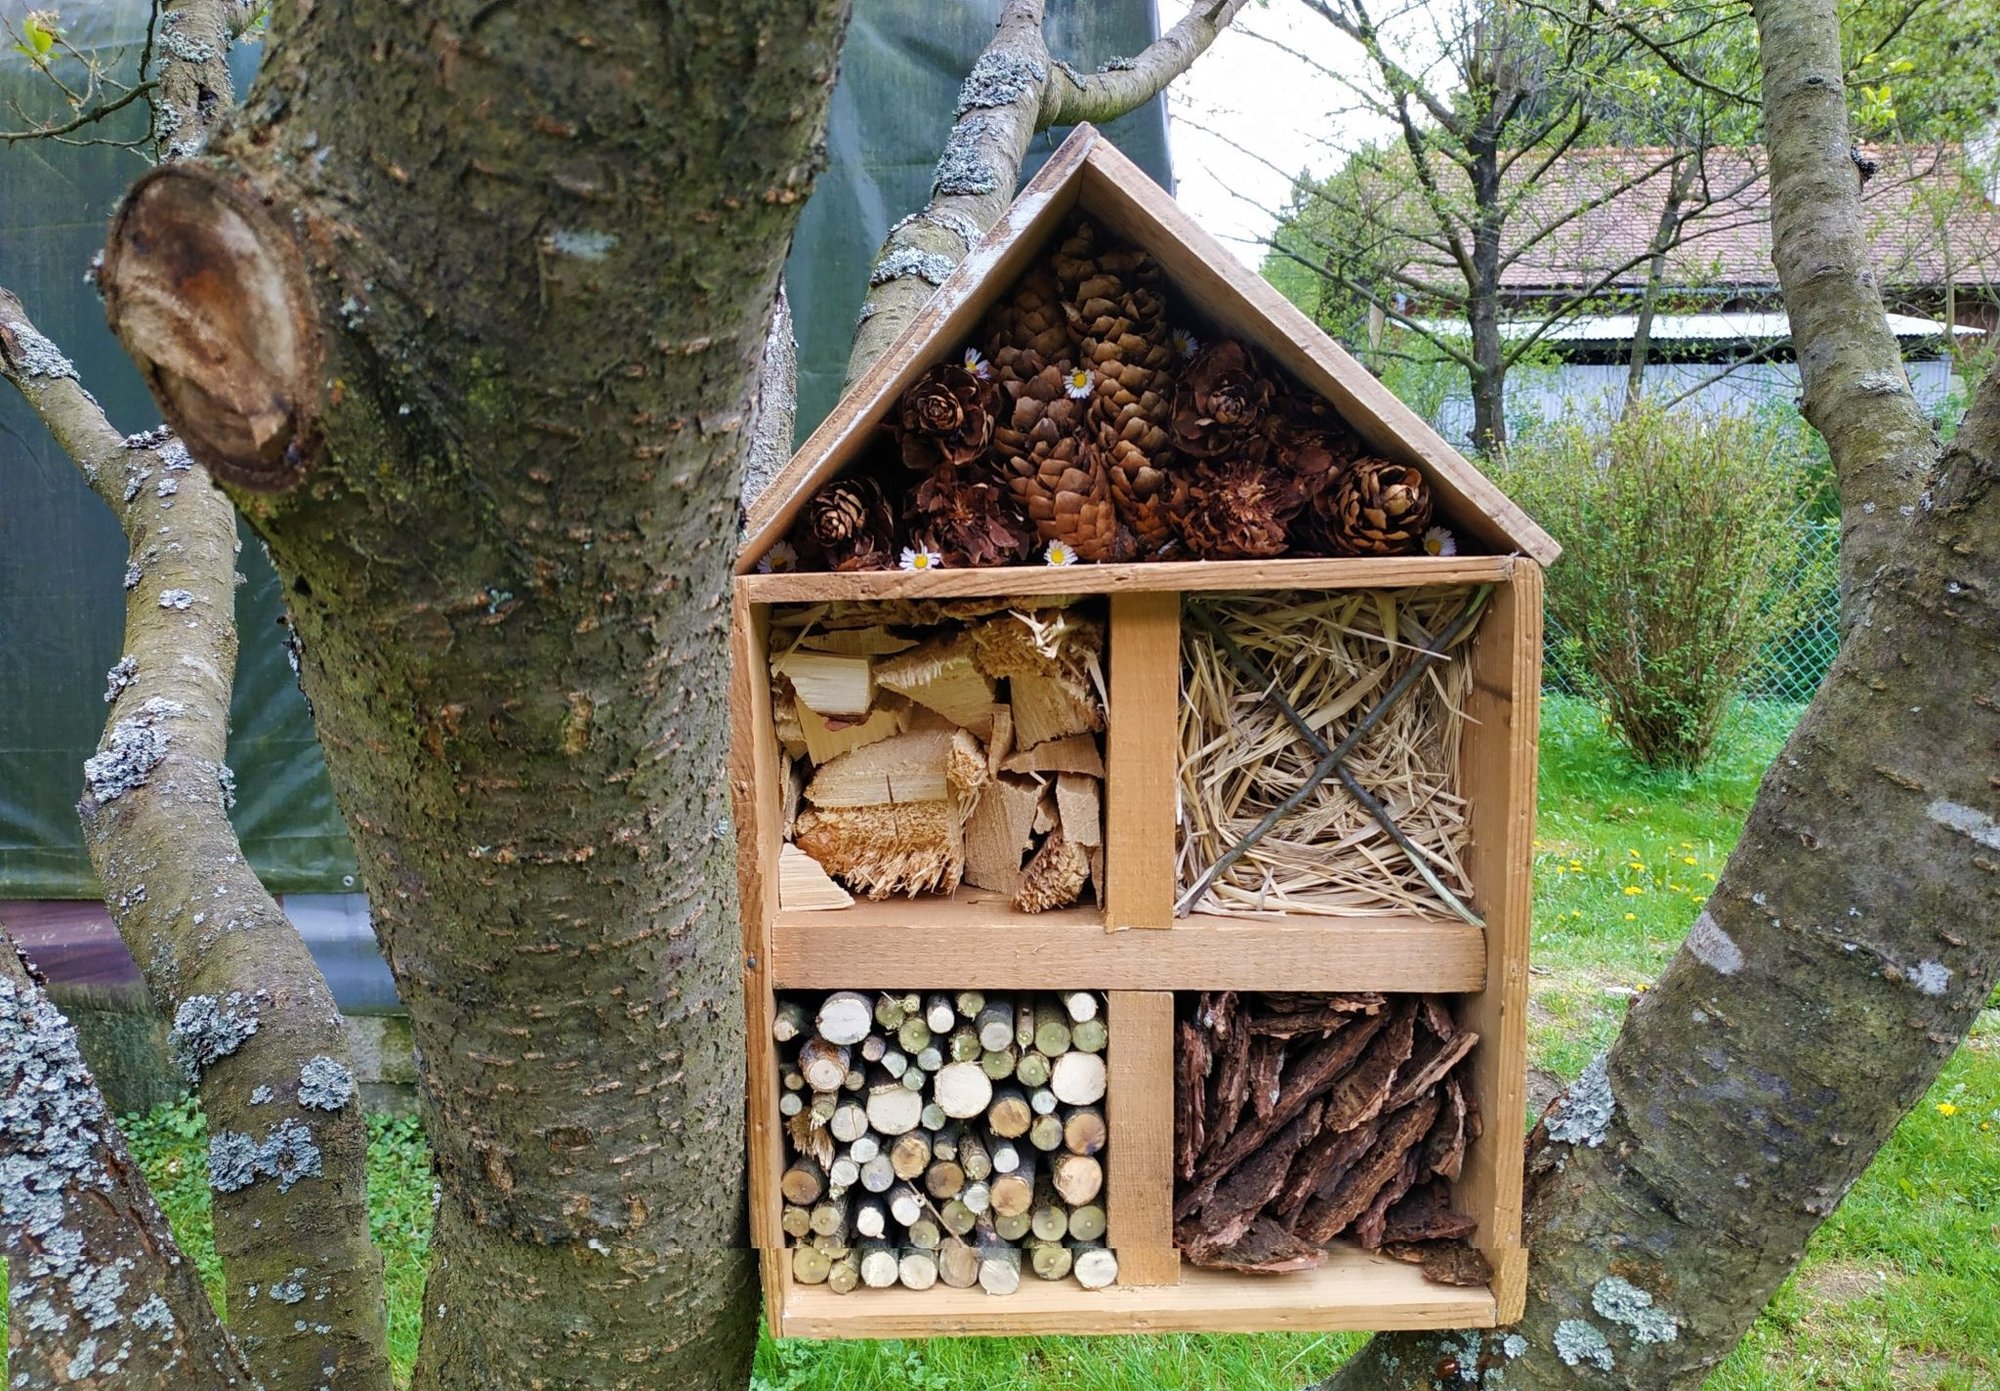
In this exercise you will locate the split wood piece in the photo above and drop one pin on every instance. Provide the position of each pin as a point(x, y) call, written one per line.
point(786, 726)
point(805, 886)
point(1002, 743)
point(1077, 754)
point(1055, 877)
point(999, 832)
point(942, 675)
point(827, 739)
point(1081, 808)
point(924, 765)
point(914, 847)
point(829, 684)
point(1095, 1267)
point(793, 797)
point(844, 1018)
point(857, 642)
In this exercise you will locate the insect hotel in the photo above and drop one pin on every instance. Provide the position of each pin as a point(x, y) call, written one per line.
point(1134, 718)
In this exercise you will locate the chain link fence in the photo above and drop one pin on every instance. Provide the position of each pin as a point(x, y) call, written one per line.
point(1794, 660)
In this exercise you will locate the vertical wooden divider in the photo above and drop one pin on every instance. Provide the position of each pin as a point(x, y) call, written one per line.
point(1140, 1187)
point(1499, 762)
point(1140, 753)
point(753, 789)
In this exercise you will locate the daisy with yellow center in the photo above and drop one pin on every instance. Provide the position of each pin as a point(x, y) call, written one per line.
point(920, 558)
point(1185, 343)
point(976, 363)
point(1077, 385)
point(781, 559)
point(1439, 541)
point(1059, 553)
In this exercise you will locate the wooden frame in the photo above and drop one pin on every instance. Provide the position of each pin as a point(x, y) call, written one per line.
point(891, 946)
point(1131, 946)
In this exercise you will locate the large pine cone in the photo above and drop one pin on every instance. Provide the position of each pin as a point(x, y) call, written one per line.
point(1028, 331)
point(1114, 297)
point(946, 417)
point(1379, 508)
point(1219, 403)
point(1239, 510)
point(847, 525)
point(1054, 467)
point(1311, 442)
point(970, 519)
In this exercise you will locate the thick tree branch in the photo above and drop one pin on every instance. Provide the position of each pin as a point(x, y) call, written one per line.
point(98, 1292)
point(254, 1022)
point(1014, 90)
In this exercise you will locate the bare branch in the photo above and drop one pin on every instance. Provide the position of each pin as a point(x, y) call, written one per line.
point(1129, 84)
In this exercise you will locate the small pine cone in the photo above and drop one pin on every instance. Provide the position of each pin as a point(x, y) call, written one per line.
point(1379, 508)
point(1310, 441)
point(946, 416)
point(1054, 468)
point(1219, 403)
point(1027, 331)
point(1240, 510)
point(1149, 497)
point(848, 525)
point(1115, 300)
point(970, 519)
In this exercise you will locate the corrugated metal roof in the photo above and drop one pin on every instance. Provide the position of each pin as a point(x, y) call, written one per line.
point(1747, 326)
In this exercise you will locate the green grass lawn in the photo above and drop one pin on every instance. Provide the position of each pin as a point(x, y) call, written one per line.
point(1900, 1289)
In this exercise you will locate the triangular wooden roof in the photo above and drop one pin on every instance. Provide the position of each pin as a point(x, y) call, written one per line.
point(1088, 173)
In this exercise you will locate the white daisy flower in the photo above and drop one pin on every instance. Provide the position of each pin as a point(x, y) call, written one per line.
point(1438, 541)
point(1079, 383)
point(781, 559)
point(920, 558)
point(1059, 553)
point(976, 363)
point(1185, 343)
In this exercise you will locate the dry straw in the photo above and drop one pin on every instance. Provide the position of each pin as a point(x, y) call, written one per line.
point(1332, 656)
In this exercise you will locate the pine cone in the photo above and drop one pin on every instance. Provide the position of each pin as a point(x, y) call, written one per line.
point(946, 416)
point(1113, 296)
point(847, 525)
point(1219, 404)
point(1055, 469)
point(969, 518)
point(1379, 508)
point(1027, 331)
point(1239, 510)
point(1311, 442)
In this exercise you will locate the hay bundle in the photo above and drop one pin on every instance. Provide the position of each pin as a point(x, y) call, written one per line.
point(1332, 656)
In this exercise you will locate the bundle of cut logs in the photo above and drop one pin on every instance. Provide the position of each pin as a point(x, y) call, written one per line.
point(930, 744)
point(944, 1137)
point(1301, 1118)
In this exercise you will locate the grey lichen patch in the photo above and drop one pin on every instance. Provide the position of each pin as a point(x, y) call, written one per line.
point(582, 243)
point(122, 674)
point(149, 439)
point(225, 781)
point(32, 355)
point(207, 1030)
point(174, 40)
point(291, 1289)
point(176, 599)
point(174, 456)
point(928, 266)
point(1931, 978)
point(1513, 1345)
point(1583, 1113)
point(999, 79)
point(962, 170)
point(154, 1317)
point(262, 1096)
point(133, 749)
point(133, 574)
point(1578, 1341)
point(1623, 1302)
point(287, 1154)
point(1970, 822)
point(324, 1084)
point(1713, 947)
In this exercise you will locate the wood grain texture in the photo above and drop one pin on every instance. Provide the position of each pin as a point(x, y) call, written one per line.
point(1139, 1107)
point(893, 945)
point(1499, 763)
point(1392, 572)
point(1140, 752)
point(1353, 1290)
point(988, 271)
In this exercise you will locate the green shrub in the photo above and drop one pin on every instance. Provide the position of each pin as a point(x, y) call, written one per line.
point(1682, 550)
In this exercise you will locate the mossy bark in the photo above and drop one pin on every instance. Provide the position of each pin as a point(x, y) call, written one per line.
point(1852, 938)
point(543, 243)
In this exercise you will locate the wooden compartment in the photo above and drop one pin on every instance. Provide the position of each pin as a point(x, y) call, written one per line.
point(1132, 945)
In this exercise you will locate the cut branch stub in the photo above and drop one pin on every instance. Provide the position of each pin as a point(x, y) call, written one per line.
point(209, 293)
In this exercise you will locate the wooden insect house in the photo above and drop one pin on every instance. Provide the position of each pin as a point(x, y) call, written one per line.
point(1134, 766)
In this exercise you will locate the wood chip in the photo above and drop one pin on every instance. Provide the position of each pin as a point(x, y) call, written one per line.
point(1078, 753)
point(1265, 1249)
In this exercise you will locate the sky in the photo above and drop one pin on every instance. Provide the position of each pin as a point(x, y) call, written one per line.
point(1283, 113)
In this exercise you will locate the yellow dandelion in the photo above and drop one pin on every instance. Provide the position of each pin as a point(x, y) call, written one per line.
point(1945, 1108)
point(1631, 917)
point(1689, 860)
point(1631, 889)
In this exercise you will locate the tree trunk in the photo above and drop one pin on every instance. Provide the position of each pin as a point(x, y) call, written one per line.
point(498, 281)
point(1852, 939)
point(1489, 352)
point(1666, 234)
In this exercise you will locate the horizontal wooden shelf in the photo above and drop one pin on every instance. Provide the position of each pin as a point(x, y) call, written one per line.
point(1353, 1290)
point(906, 944)
point(1395, 572)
